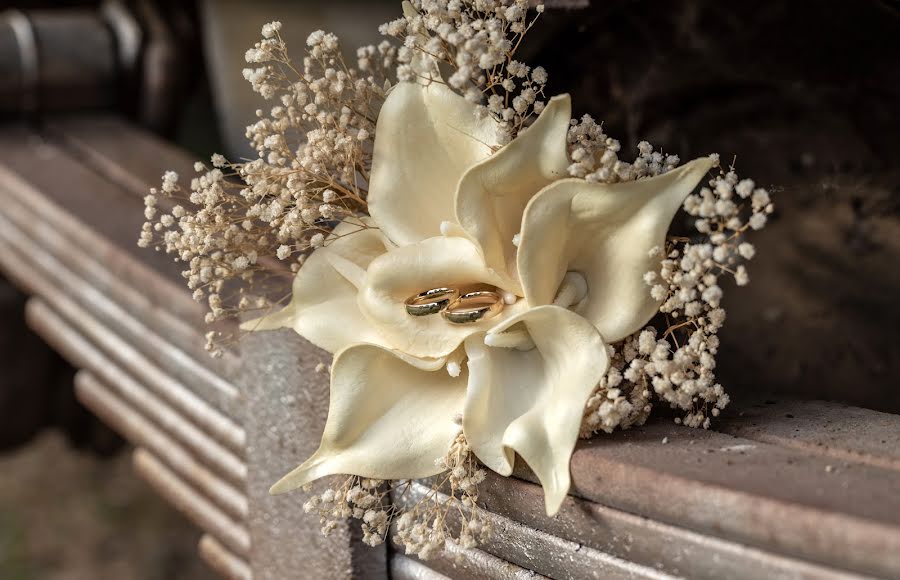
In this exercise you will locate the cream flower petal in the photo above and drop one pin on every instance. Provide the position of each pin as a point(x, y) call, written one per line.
point(408, 270)
point(531, 402)
point(425, 139)
point(323, 308)
point(605, 232)
point(493, 194)
point(391, 416)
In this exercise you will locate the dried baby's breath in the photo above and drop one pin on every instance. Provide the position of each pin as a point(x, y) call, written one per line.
point(425, 522)
point(366, 500)
point(236, 221)
point(675, 359)
point(476, 41)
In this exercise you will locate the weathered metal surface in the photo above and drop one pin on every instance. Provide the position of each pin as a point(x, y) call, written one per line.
point(555, 557)
point(66, 340)
point(475, 564)
point(725, 486)
point(664, 547)
point(118, 301)
point(97, 141)
point(186, 499)
point(222, 560)
point(142, 432)
point(832, 430)
point(403, 568)
point(74, 202)
point(286, 407)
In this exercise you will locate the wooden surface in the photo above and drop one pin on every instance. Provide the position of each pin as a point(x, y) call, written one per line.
point(779, 488)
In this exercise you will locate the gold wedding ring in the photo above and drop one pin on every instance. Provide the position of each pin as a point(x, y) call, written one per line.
point(431, 301)
point(473, 307)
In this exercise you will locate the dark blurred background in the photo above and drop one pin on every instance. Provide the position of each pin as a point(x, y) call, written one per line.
point(805, 94)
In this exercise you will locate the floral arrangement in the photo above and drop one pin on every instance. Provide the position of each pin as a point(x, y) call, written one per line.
point(491, 278)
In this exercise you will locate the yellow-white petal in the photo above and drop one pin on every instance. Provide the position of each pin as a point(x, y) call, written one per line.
point(493, 194)
point(605, 232)
point(438, 262)
point(391, 416)
point(531, 402)
point(425, 139)
point(323, 307)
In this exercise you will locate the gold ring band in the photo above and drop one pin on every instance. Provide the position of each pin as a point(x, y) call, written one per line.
point(431, 301)
point(473, 307)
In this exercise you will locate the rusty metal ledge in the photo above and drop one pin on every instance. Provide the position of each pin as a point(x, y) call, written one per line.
point(668, 548)
point(107, 260)
point(838, 432)
point(474, 564)
point(404, 568)
point(779, 499)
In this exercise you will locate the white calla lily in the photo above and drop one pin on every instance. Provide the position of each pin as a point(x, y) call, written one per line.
point(391, 416)
point(449, 201)
point(439, 262)
point(427, 137)
point(323, 307)
point(605, 232)
point(492, 195)
point(531, 402)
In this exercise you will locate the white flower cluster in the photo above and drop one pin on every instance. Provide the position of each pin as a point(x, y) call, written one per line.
point(477, 40)
point(616, 403)
point(426, 527)
point(679, 366)
point(595, 156)
point(366, 500)
point(314, 156)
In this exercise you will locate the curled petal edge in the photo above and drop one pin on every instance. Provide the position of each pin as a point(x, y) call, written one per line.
point(391, 416)
point(531, 402)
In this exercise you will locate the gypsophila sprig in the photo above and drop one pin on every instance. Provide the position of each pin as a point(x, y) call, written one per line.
point(425, 522)
point(314, 156)
point(449, 511)
point(366, 500)
point(676, 361)
point(595, 156)
point(477, 41)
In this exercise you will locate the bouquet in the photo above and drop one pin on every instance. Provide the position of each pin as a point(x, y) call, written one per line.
point(493, 277)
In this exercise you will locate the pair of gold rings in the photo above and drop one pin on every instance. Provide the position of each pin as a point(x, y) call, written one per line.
point(455, 307)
